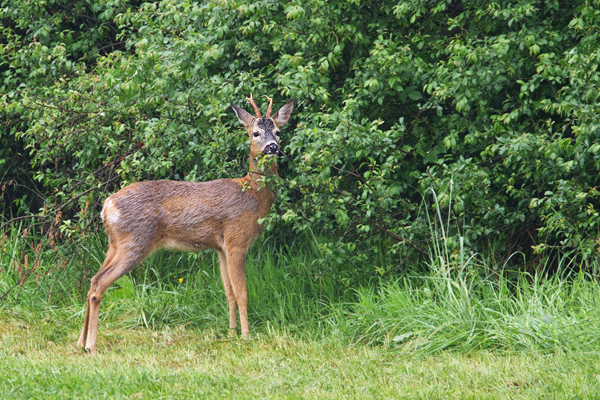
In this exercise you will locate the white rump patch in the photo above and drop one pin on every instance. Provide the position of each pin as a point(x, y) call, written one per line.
point(110, 213)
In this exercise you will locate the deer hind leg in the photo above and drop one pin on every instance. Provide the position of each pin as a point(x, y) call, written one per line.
point(228, 291)
point(122, 262)
point(84, 331)
point(236, 267)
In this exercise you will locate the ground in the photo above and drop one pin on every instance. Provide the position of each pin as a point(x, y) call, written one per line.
point(40, 360)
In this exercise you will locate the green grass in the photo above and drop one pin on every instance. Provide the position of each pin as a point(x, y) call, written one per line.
point(176, 362)
point(173, 288)
point(464, 312)
point(453, 332)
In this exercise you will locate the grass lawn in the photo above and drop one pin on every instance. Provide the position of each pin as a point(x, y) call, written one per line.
point(448, 333)
point(40, 360)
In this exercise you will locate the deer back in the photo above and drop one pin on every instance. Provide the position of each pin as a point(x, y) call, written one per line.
point(185, 215)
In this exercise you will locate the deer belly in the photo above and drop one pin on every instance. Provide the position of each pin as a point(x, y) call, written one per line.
point(179, 245)
point(192, 238)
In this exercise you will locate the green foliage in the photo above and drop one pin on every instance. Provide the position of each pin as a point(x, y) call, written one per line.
point(460, 311)
point(496, 100)
point(466, 304)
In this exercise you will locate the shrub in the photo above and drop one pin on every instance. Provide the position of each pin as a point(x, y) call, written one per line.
point(497, 100)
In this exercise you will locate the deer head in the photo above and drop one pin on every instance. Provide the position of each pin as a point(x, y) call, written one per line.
point(264, 131)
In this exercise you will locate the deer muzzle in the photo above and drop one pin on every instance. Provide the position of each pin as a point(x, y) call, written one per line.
point(272, 149)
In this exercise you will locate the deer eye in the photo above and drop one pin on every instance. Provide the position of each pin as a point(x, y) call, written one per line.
point(256, 134)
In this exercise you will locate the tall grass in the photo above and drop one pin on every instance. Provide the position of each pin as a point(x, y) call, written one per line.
point(463, 313)
point(281, 293)
point(169, 288)
point(460, 305)
point(461, 302)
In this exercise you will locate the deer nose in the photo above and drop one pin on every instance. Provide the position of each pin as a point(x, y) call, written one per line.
point(272, 149)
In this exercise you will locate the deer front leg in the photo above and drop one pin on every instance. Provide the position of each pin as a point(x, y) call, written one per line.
point(236, 263)
point(228, 292)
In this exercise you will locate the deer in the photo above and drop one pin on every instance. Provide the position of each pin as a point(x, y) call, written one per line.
point(223, 215)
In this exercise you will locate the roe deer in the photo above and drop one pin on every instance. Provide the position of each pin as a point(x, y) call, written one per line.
point(221, 215)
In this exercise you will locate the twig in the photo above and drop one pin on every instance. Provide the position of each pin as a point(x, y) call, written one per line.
point(21, 282)
point(22, 217)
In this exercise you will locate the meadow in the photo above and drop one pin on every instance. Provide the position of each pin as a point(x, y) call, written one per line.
point(435, 233)
point(449, 332)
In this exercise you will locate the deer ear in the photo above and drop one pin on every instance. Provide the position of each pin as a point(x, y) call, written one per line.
point(282, 116)
point(243, 116)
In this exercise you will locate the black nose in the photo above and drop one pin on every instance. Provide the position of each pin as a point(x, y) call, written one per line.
point(272, 149)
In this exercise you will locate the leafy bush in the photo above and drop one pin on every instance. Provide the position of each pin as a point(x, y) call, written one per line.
point(496, 100)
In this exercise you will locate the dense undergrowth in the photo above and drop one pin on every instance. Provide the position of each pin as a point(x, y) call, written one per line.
point(441, 305)
point(493, 104)
point(452, 310)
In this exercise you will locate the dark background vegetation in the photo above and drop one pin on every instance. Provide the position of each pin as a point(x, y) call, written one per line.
point(487, 111)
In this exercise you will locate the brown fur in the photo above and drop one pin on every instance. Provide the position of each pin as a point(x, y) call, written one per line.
point(221, 215)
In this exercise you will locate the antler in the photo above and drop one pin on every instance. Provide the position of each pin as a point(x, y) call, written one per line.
point(256, 110)
point(270, 106)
